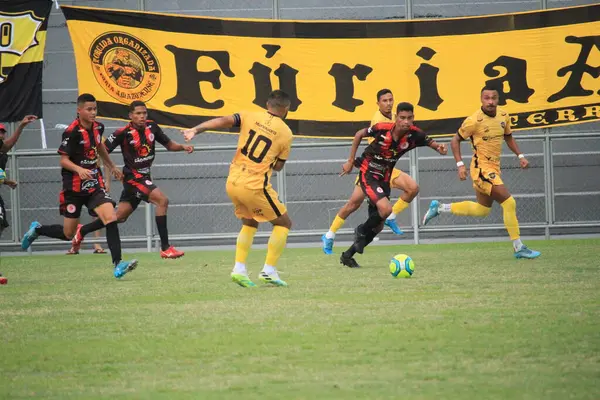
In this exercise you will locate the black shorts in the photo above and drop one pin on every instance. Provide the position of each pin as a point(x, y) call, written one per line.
point(374, 186)
point(71, 203)
point(3, 216)
point(136, 189)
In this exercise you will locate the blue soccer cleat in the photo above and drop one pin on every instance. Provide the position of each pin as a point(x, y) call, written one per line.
point(327, 244)
point(124, 267)
point(526, 252)
point(30, 236)
point(432, 212)
point(391, 223)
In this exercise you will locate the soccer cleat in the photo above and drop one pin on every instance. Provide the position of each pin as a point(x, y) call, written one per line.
point(30, 236)
point(360, 240)
point(76, 242)
point(272, 279)
point(349, 262)
point(432, 212)
point(242, 280)
point(327, 244)
point(124, 267)
point(391, 223)
point(171, 252)
point(72, 252)
point(526, 252)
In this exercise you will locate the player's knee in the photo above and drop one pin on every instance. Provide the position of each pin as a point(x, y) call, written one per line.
point(163, 201)
point(110, 218)
point(122, 219)
point(287, 223)
point(412, 191)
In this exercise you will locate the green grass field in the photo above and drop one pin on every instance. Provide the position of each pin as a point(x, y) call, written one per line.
point(472, 323)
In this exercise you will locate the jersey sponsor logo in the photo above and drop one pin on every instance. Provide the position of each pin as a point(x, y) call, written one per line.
point(89, 185)
point(71, 208)
point(125, 67)
point(17, 35)
point(144, 159)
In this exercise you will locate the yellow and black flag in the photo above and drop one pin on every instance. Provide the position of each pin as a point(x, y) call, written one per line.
point(23, 25)
point(189, 69)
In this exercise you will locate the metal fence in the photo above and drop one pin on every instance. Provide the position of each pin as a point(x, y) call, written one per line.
point(560, 191)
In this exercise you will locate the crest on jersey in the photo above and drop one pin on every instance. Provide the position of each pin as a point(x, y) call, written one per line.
point(125, 67)
point(151, 137)
point(17, 35)
point(143, 151)
point(503, 124)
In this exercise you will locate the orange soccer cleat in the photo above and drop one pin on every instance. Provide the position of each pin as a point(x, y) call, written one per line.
point(171, 252)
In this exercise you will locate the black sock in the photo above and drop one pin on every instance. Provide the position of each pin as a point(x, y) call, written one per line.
point(373, 222)
point(53, 231)
point(114, 241)
point(350, 252)
point(161, 224)
point(92, 227)
point(370, 236)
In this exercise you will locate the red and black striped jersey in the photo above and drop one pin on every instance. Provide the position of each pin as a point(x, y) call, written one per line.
point(383, 152)
point(138, 146)
point(81, 146)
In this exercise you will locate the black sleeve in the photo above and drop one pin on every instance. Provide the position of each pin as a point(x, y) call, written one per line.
point(1, 144)
point(114, 140)
point(160, 136)
point(372, 131)
point(237, 120)
point(423, 139)
point(69, 141)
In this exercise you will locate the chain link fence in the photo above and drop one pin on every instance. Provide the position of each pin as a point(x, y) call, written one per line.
point(559, 191)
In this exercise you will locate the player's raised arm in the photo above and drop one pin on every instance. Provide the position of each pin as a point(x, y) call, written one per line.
point(169, 144)
point(228, 121)
point(358, 137)
point(12, 140)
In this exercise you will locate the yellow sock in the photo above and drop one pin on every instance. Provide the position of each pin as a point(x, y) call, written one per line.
point(399, 206)
point(243, 244)
point(470, 208)
point(276, 244)
point(509, 207)
point(337, 224)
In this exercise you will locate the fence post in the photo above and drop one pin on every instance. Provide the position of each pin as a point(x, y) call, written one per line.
point(547, 177)
point(275, 9)
point(414, 173)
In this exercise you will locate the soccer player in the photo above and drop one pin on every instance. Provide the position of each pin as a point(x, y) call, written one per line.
point(263, 147)
point(399, 180)
point(137, 140)
point(390, 142)
point(83, 184)
point(487, 129)
point(5, 146)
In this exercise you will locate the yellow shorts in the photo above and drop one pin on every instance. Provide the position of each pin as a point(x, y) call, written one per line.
point(261, 205)
point(395, 173)
point(485, 177)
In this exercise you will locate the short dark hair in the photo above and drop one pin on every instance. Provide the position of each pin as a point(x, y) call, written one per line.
point(85, 98)
point(136, 103)
point(404, 106)
point(383, 92)
point(490, 87)
point(279, 99)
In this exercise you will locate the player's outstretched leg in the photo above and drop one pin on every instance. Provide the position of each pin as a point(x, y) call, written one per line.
point(463, 208)
point(53, 231)
point(509, 213)
point(244, 242)
point(277, 242)
point(353, 204)
point(106, 213)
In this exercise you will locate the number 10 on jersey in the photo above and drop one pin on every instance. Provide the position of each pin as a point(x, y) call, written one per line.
point(253, 149)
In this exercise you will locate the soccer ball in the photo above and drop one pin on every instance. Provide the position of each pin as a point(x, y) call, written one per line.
point(2, 176)
point(402, 266)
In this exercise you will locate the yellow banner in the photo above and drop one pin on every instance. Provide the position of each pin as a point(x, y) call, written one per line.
point(189, 69)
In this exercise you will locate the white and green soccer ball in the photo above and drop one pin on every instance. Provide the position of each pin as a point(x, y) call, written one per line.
point(402, 266)
point(2, 176)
